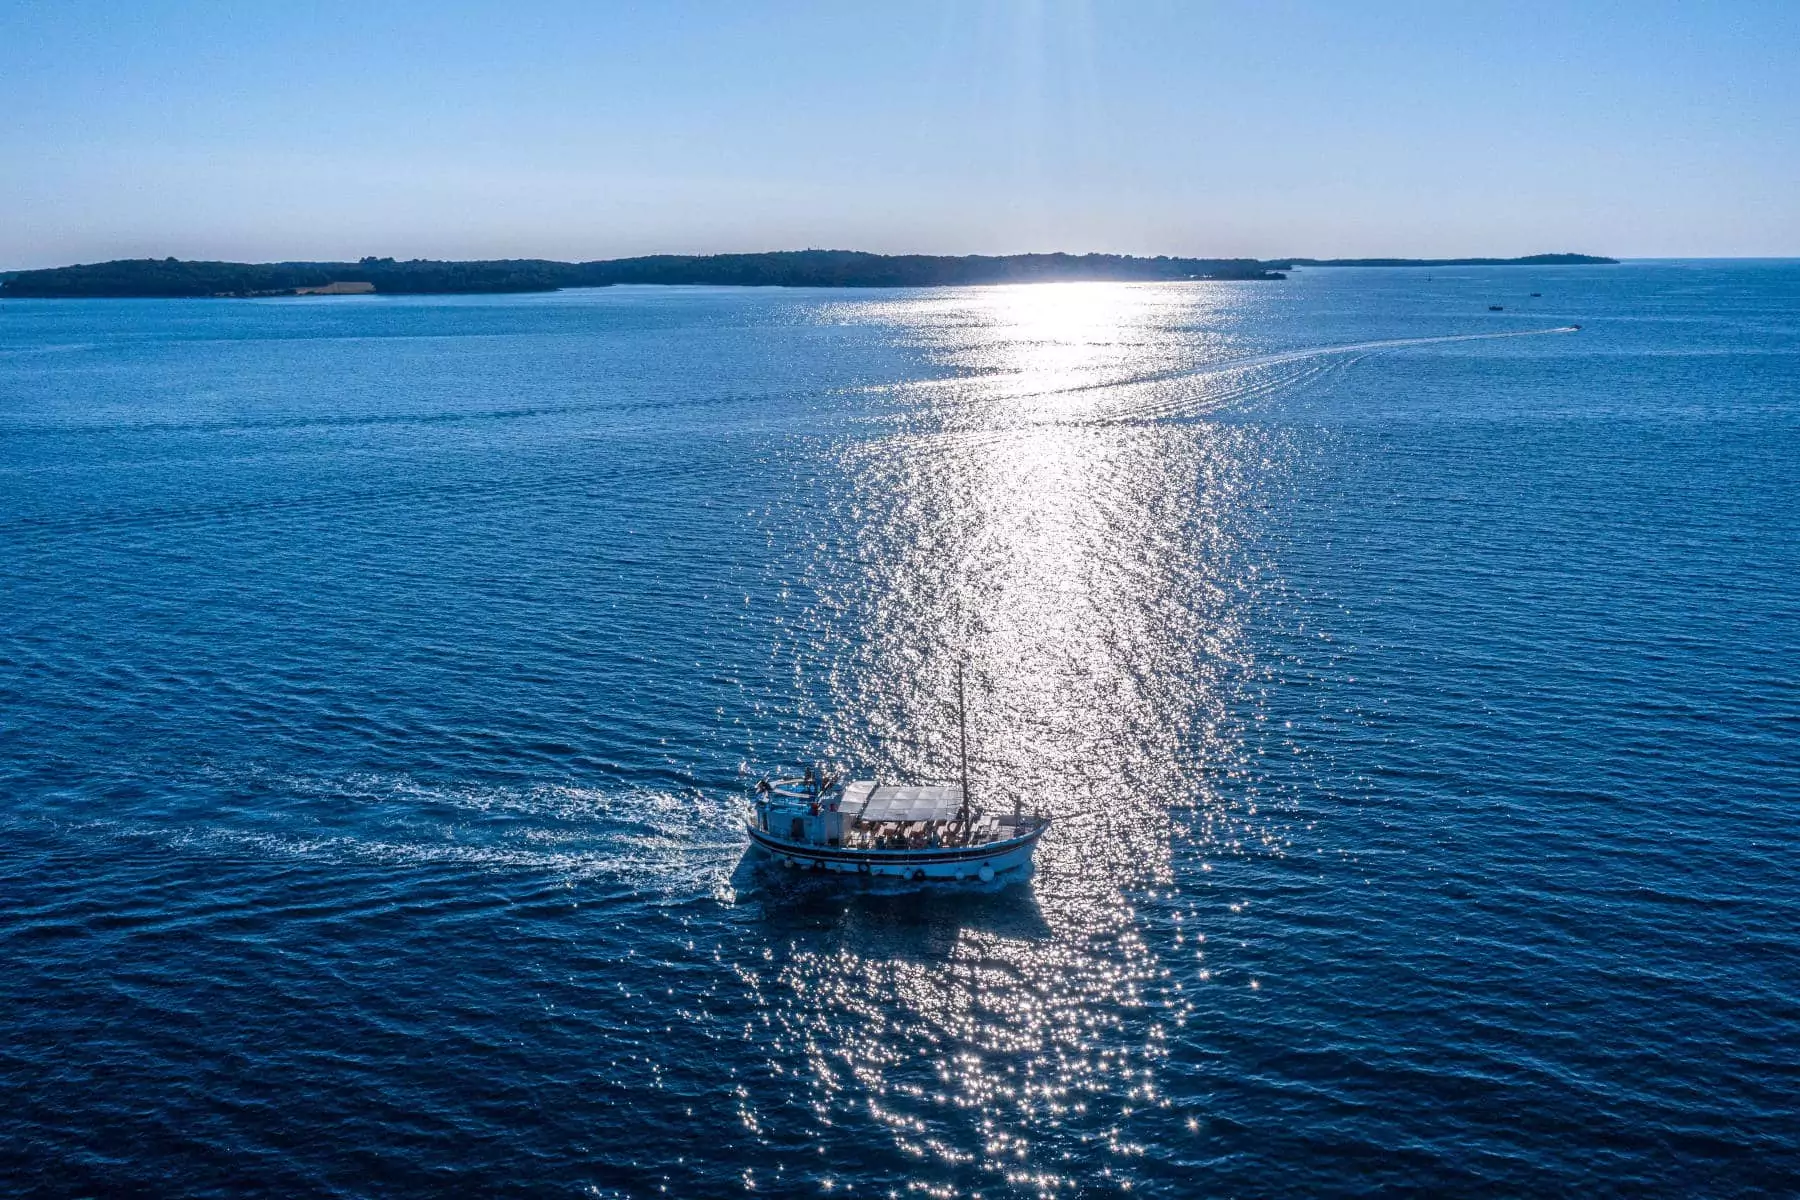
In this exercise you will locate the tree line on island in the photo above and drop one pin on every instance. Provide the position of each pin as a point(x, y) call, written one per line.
point(169, 277)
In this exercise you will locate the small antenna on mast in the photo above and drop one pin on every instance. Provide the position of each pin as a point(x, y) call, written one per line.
point(962, 732)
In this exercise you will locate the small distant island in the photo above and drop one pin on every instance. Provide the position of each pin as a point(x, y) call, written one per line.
point(169, 277)
point(1530, 260)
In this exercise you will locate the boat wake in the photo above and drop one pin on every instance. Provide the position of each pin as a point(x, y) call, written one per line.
point(994, 405)
point(665, 845)
point(1308, 352)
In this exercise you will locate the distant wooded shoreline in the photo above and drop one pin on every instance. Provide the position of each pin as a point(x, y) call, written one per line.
point(174, 278)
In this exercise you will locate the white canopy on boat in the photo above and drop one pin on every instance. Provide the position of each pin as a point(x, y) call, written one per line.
point(930, 802)
point(856, 796)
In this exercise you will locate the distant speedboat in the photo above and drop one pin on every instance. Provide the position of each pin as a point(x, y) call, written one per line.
point(1496, 308)
point(915, 832)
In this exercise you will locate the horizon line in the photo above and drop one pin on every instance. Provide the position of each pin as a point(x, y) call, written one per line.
point(1392, 260)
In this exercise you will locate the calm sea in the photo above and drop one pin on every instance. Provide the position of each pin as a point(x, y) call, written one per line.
point(1417, 688)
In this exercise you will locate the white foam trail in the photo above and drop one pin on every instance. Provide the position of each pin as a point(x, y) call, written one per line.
point(1167, 408)
point(664, 844)
point(1250, 362)
point(1287, 356)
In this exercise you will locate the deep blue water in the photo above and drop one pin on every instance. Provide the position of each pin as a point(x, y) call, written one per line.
point(381, 680)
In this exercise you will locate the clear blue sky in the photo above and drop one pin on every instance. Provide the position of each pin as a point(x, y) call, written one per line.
point(580, 130)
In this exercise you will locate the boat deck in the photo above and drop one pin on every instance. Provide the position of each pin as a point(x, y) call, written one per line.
point(927, 835)
point(864, 818)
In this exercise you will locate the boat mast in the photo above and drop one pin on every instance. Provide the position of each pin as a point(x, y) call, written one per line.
point(962, 733)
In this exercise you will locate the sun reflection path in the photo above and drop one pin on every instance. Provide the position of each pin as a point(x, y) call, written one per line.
point(1096, 571)
point(1044, 352)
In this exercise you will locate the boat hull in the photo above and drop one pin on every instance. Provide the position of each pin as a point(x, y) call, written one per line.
point(948, 864)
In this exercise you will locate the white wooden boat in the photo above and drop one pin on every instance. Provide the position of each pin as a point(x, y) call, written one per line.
point(923, 832)
point(916, 832)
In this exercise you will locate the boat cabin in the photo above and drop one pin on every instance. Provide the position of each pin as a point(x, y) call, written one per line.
point(864, 815)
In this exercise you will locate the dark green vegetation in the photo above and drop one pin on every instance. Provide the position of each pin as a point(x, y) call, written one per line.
point(788, 268)
point(1530, 260)
point(798, 268)
point(852, 268)
point(171, 277)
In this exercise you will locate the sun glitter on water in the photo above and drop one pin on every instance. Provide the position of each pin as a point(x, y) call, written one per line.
point(1090, 572)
